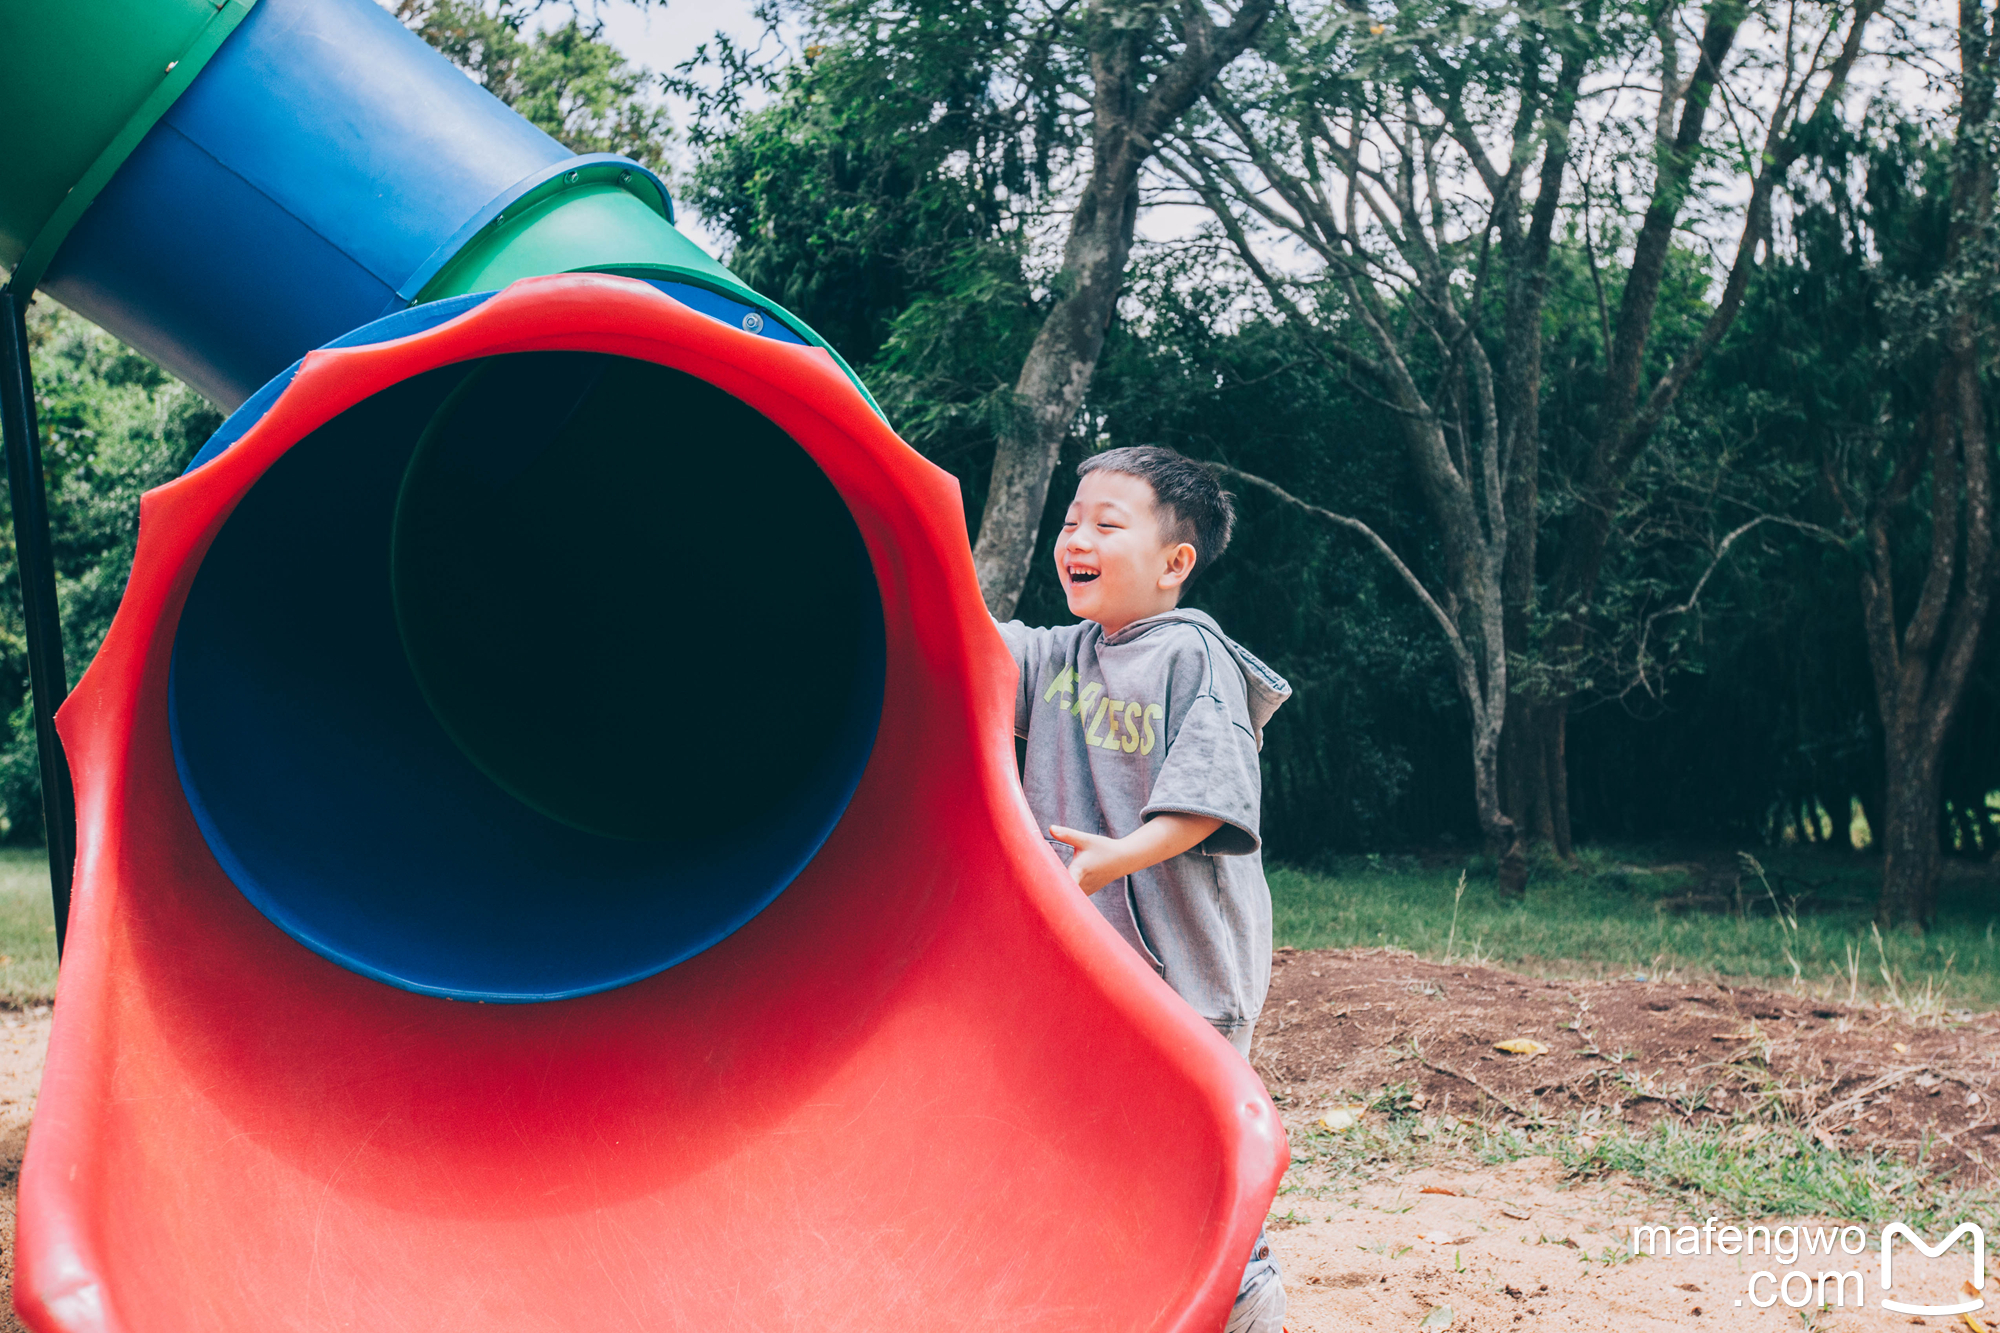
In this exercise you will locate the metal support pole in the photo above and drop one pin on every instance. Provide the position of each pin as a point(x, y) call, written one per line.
point(46, 676)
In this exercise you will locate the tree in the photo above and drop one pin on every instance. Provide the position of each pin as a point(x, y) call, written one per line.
point(1815, 60)
point(893, 164)
point(1353, 142)
point(1016, 91)
point(1292, 151)
point(1148, 64)
point(566, 80)
point(1922, 667)
point(1891, 298)
point(904, 186)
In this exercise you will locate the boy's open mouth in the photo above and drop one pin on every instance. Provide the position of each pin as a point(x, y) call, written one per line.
point(1082, 576)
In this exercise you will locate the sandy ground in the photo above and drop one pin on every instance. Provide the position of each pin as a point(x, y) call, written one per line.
point(1510, 1250)
point(24, 1041)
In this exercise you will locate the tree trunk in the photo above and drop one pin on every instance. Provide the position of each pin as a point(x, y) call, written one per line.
point(1910, 849)
point(1537, 770)
point(1052, 385)
point(1523, 768)
point(1558, 771)
point(1921, 668)
point(1531, 801)
point(1630, 413)
point(1127, 118)
point(1504, 840)
point(1510, 853)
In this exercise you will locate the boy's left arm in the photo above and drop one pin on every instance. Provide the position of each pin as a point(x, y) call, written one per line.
point(1100, 860)
point(1206, 794)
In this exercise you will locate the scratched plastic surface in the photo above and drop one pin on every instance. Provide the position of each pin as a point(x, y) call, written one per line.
point(924, 1088)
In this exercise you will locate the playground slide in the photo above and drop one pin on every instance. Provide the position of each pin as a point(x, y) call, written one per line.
point(549, 850)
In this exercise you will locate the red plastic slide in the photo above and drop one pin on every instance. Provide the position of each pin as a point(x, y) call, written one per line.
point(925, 1088)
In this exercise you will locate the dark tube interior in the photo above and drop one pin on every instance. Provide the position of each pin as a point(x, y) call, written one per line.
point(528, 677)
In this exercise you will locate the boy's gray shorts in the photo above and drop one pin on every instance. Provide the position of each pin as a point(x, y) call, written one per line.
point(1260, 1301)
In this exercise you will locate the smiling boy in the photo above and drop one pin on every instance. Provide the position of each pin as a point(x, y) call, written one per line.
point(1143, 724)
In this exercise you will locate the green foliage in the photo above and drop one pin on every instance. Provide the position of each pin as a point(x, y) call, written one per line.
point(566, 80)
point(887, 177)
point(901, 186)
point(890, 190)
point(943, 370)
point(113, 427)
point(1374, 713)
point(1806, 409)
point(872, 195)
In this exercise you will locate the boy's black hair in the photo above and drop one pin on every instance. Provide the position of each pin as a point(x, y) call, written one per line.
point(1192, 505)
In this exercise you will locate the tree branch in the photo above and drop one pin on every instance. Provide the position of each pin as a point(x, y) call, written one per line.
point(1467, 666)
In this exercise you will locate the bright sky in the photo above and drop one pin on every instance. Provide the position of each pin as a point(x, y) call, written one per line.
point(660, 37)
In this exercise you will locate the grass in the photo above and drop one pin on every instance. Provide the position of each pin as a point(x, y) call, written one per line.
point(27, 929)
point(1806, 923)
point(1782, 1173)
point(1734, 1170)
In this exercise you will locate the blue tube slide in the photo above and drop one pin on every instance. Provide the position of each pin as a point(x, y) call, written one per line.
point(322, 169)
point(430, 691)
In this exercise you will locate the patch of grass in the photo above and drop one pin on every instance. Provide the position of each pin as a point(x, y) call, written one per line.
point(1607, 916)
point(1784, 1172)
point(1390, 1140)
point(27, 929)
point(1741, 1171)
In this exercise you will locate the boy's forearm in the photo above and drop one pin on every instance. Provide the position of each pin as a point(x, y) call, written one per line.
point(1099, 860)
point(1160, 838)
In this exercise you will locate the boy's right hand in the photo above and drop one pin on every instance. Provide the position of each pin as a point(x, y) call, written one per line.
point(1097, 859)
point(1100, 860)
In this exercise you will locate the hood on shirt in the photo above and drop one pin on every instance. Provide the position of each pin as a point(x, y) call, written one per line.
point(1264, 688)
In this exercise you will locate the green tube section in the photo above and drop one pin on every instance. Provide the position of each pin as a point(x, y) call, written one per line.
point(595, 220)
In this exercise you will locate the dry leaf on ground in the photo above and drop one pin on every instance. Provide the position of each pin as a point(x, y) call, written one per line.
point(1340, 1119)
point(1521, 1046)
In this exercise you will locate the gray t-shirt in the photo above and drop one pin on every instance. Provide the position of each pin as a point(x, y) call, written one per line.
point(1165, 715)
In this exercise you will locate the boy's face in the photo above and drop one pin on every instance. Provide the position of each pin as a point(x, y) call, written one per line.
point(1115, 565)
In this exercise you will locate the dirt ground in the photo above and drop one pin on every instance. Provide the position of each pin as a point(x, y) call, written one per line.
point(1508, 1247)
point(1516, 1247)
point(1351, 1021)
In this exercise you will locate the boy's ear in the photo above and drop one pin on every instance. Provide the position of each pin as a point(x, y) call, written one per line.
point(1180, 564)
